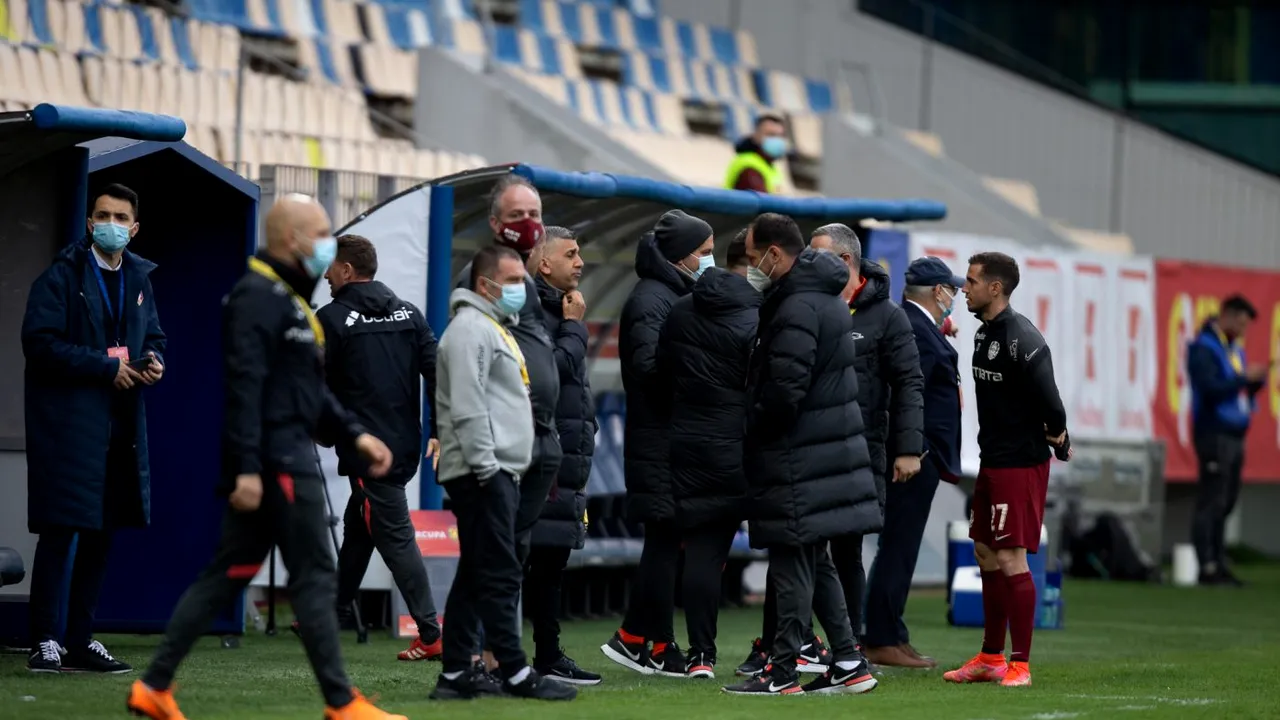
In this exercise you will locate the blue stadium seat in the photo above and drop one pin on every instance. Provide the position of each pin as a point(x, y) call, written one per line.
point(571, 21)
point(182, 42)
point(608, 30)
point(318, 15)
point(38, 14)
point(146, 32)
point(648, 33)
point(819, 95)
point(725, 45)
point(409, 27)
point(93, 28)
point(688, 43)
point(327, 66)
point(639, 110)
point(549, 52)
point(506, 44)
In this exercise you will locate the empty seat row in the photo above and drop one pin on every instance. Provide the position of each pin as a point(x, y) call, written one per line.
point(397, 158)
point(605, 103)
point(601, 26)
point(689, 78)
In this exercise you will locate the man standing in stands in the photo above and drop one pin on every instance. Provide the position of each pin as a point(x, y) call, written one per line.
point(556, 265)
point(377, 350)
point(276, 403)
point(753, 167)
point(668, 261)
point(1223, 392)
point(703, 349)
point(515, 219)
point(807, 467)
point(1020, 415)
point(487, 437)
point(92, 341)
point(889, 391)
point(929, 298)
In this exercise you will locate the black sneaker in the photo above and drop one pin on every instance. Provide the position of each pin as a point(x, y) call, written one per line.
point(773, 680)
point(461, 687)
point(814, 657)
point(632, 656)
point(756, 660)
point(93, 659)
point(45, 658)
point(567, 671)
point(839, 680)
point(701, 665)
point(668, 663)
point(485, 682)
point(537, 687)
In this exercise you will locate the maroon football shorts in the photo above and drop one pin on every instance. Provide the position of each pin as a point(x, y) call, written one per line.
point(1008, 507)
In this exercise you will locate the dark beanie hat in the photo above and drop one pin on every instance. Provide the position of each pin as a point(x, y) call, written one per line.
point(679, 234)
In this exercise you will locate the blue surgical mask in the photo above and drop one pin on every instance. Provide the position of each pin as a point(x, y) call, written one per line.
point(774, 146)
point(110, 237)
point(704, 262)
point(321, 257)
point(946, 311)
point(512, 299)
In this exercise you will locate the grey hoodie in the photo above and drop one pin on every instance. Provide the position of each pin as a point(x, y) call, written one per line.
point(486, 418)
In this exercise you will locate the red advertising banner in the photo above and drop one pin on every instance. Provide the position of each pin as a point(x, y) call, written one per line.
point(1186, 295)
point(436, 532)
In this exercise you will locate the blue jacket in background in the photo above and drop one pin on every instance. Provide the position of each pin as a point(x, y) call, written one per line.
point(1222, 400)
point(939, 363)
point(68, 383)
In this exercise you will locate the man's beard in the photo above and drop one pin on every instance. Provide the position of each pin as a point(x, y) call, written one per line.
point(978, 310)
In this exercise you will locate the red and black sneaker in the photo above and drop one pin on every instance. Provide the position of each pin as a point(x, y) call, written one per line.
point(814, 657)
point(773, 680)
point(755, 662)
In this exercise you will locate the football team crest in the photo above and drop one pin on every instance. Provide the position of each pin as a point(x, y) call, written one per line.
point(993, 350)
point(139, 299)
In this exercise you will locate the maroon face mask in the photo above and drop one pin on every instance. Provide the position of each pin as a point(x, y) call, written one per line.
point(521, 235)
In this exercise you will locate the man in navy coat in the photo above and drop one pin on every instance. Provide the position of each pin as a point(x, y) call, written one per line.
point(928, 300)
point(92, 341)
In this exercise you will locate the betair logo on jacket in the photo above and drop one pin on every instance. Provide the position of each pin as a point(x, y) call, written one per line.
point(400, 315)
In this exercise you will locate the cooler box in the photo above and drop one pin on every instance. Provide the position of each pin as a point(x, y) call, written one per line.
point(964, 591)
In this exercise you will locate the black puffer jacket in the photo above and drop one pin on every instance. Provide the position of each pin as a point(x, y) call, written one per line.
point(645, 451)
point(560, 524)
point(704, 350)
point(890, 385)
point(808, 470)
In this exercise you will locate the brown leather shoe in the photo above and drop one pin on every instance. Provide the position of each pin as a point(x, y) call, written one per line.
point(895, 656)
point(916, 654)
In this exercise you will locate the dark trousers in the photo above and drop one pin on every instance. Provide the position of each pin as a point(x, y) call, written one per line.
point(543, 578)
point(846, 555)
point(377, 517)
point(486, 588)
point(48, 570)
point(807, 586)
point(652, 605)
point(706, 550)
point(906, 512)
point(294, 517)
point(535, 484)
point(1221, 459)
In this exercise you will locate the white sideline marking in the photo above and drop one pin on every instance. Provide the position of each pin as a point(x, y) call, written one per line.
point(1056, 715)
point(1136, 707)
point(1184, 702)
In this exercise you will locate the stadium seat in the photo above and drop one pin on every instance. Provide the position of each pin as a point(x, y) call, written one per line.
point(28, 66)
point(74, 39)
point(19, 30)
point(806, 130)
point(180, 37)
point(72, 79)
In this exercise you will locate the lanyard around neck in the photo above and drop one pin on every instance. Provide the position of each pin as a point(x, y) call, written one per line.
point(268, 272)
point(116, 313)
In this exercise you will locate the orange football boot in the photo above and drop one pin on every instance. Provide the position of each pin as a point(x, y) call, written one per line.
point(419, 650)
point(154, 704)
point(982, 667)
point(1019, 675)
point(359, 709)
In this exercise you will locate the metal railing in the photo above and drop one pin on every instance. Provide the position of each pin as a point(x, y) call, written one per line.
point(343, 194)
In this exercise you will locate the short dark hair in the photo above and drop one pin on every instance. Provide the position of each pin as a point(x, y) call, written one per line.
point(119, 192)
point(736, 255)
point(769, 117)
point(998, 266)
point(772, 229)
point(1239, 304)
point(485, 263)
point(500, 188)
point(360, 253)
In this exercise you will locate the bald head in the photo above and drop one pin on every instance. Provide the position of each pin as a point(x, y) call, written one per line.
point(294, 224)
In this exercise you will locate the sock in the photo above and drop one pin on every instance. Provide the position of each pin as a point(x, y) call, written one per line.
point(1021, 602)
point(452, 675)
point(519, 676)
point(658, 649)
point(995, 613)
point(847, 664)
point(630, 639)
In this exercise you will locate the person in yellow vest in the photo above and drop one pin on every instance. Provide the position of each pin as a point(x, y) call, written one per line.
point(753, 167)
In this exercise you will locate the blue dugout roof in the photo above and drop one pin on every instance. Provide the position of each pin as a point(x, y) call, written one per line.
point(25, 136)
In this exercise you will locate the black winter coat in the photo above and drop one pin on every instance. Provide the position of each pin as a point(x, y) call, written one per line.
point(704, 350)
point(645, 448)
point(379, 352)
point(890, 385)
point(72, 407)
point(560, 524)
point(808, 470)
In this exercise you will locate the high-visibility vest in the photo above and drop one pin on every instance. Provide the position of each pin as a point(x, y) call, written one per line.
point(752, 161)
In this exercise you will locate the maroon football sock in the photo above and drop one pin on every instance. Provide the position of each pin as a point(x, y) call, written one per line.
point(1021, 602)
point(995, 616)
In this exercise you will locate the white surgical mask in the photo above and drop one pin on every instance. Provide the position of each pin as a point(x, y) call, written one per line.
point(759, 279)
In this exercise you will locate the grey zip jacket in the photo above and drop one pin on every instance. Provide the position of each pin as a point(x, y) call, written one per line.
point(486, 418)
